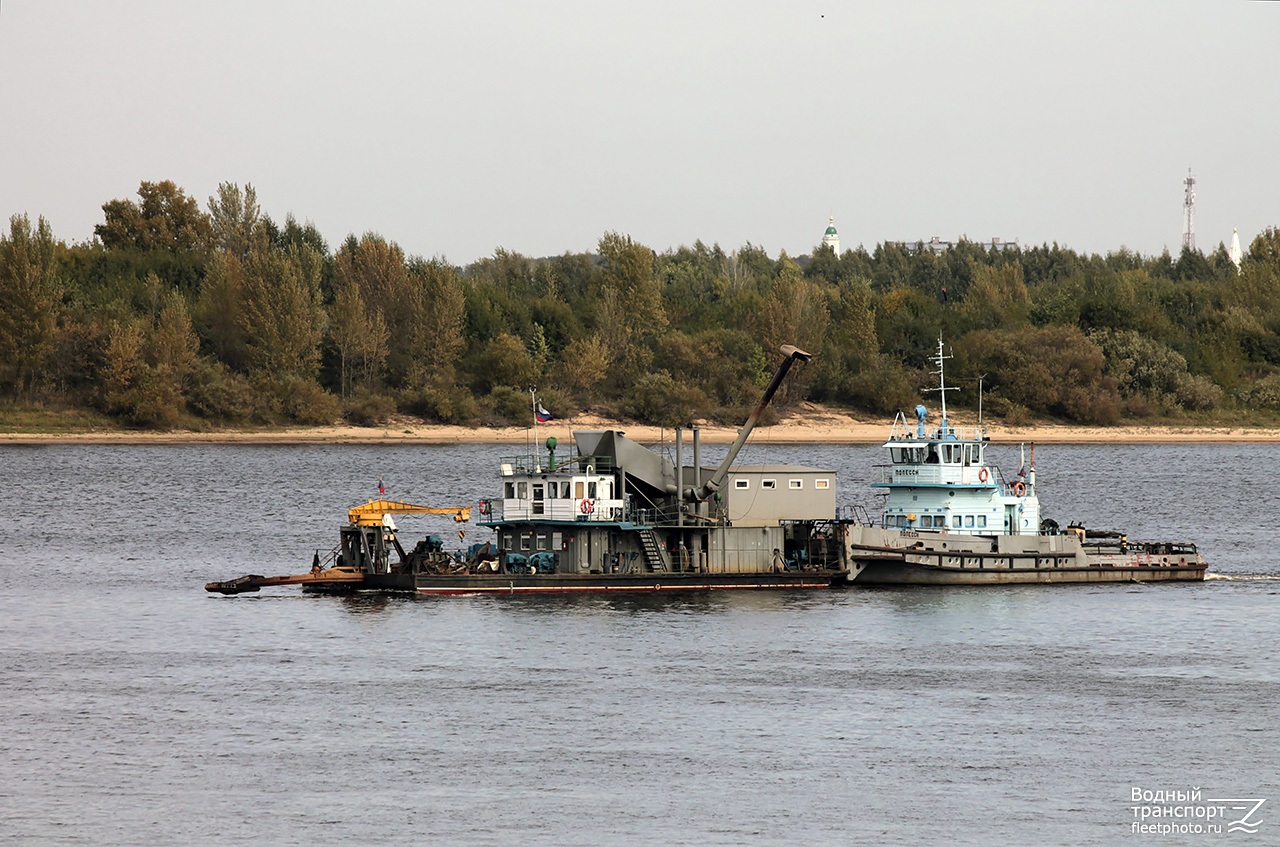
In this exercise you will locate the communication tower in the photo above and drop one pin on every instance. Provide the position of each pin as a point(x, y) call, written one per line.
point(1189, 213)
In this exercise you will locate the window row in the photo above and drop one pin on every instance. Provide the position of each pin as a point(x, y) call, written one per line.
point(947, 454)
point(532, 541)
point(564, 490)
point(939, 521)
point(772, 484)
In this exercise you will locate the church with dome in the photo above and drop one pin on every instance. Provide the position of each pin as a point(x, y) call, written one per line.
point(831, 238)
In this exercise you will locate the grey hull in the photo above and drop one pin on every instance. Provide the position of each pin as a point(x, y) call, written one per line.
point(903, 573)
point(881, 556)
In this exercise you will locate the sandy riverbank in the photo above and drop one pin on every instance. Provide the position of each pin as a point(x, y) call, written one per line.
point(811, 425)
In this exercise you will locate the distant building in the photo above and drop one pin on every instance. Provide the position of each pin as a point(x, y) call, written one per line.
point(831, 238)
point(937, 245)
point(1235, 252)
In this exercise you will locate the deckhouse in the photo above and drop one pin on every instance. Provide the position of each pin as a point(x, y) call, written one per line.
point(940, 480)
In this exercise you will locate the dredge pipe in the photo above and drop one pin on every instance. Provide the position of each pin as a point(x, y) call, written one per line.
point(712, 485)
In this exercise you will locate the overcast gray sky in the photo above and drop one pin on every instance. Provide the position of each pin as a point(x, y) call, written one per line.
point(456, 128)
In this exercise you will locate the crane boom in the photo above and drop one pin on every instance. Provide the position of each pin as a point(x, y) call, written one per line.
point(370, 514)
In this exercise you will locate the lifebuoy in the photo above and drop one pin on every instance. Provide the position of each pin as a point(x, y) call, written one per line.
point(1019, 489)
point(586, 507)
point(982, 475)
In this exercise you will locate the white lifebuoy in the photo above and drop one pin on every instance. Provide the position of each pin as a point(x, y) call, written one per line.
point(1019, 489)
point(982, 475)
point(586, 507)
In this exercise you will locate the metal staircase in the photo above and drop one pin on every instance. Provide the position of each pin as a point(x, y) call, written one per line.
point(655, 558)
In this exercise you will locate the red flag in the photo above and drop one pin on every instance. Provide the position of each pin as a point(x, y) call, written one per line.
point(382, 489)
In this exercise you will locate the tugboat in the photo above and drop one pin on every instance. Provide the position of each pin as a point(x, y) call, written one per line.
point(953, 518)
point(614, 516)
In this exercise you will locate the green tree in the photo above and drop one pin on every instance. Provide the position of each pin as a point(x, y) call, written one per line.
point(164, 218)
point(30, 299)
point(435, 313)
point(282, 317)
point(360, 337)
point(505, 361)
point(1265, 247)
point(234, 214)
point(1052, 371)
point(795, 312)
point(219, 311)
point(997, 296)
point(631, 307)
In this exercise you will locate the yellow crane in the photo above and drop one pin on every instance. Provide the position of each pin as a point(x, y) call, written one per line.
point(366, 546)
point(372, 513)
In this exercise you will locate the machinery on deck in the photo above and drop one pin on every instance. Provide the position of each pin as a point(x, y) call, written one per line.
point(364, 548)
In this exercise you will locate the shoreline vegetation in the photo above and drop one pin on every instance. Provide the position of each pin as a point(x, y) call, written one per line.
point(180, 323)
point(812, 425)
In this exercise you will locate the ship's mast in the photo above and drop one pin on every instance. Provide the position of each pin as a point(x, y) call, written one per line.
point(942, 388)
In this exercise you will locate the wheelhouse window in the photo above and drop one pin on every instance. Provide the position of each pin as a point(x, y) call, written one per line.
point(957, 521)
point(795, 484)
point(522, 490)
point(968, 520)
point(907, 455)
point(982, 520)
point(579, 488)
point(591, 490)
point(768, 484)
point(822, 484)
point(509, 490)
point(742, 483)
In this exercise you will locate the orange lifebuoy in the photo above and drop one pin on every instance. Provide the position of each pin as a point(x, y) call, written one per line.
point(1019, 489)
point(982, 475)
point(586, 507)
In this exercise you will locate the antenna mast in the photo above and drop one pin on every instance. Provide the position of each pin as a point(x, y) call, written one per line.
point(1189, 213)
point(942, 388)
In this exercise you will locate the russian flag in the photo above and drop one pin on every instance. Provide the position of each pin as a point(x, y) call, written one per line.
point(542, 414)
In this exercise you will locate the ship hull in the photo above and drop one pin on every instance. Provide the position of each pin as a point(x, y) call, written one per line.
point(452, 584)
point(877, 556)
point(905, 573)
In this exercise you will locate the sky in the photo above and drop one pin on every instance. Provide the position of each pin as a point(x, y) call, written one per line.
point(459, 128)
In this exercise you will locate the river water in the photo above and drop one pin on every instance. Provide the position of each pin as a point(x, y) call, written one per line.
point(137, 709)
